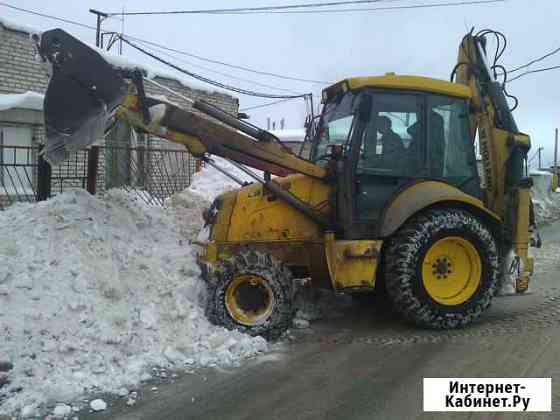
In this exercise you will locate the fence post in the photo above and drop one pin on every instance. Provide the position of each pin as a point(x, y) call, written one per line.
point(93, 165)
point(44, 175)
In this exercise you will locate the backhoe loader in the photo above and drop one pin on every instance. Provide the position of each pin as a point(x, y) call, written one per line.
point(391, 193)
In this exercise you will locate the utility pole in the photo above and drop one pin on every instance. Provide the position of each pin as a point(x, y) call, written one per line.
point(540, 161)
point(100, 17)
point(93, 152)
point(556, 152)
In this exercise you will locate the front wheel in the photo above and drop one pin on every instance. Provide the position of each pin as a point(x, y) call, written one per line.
point(252, 292)
point(442, 269)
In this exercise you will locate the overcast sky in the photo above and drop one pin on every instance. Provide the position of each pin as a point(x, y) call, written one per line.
point(331, 47)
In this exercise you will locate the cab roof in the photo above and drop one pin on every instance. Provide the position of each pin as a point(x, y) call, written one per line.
point(393, 81)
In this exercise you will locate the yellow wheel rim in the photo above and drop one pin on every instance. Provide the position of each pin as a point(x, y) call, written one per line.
point(249, 299)
point(452, 271)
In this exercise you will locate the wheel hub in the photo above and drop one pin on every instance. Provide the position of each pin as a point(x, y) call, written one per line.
point(249, 299)
point(452, 271)
point(442, 267)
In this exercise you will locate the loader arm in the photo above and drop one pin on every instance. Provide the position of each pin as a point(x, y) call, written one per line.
point(503, 149)
point(86, 91)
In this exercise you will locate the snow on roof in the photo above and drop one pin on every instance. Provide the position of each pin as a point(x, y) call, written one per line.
point(27, 100)
point(19, 27)
point(291, 134)
point(154, 71)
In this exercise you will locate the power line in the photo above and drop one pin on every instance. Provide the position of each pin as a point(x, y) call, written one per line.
point(536, 60)
point(198, 57)
point(533, 71)
point(234, 66)
point(210, 81)
point(265, 105)
point(219, 72)
point(372, 9)
point(252, 9)
point(71, 22)
point(273, 11)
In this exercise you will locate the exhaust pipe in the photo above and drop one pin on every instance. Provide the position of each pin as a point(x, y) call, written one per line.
point(83, 91)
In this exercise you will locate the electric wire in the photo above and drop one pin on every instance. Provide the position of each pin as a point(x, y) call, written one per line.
point(271, 11)
point(250, 108)
point(234, 66)
point(154, 44)
point(536, 60)
point(208, 80)
point(253, 82)
point(71, 22)
point(533, 71)
point(251, 9)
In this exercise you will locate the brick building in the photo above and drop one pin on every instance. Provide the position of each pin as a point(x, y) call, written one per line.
point(21, 117)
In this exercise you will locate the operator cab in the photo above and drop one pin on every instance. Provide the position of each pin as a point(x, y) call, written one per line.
point(395, 131)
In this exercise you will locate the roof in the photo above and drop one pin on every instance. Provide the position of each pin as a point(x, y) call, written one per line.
point(414, 83)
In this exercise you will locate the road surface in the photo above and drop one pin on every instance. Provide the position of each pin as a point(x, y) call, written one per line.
point(368, 365)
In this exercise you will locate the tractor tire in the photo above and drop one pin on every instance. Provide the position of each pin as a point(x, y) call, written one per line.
point(251, 292)
point(442, 269)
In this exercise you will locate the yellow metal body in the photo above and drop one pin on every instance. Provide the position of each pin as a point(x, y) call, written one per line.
point(452, 271)
point(496, 147)
point(352, 264)
point(200, 135)
point(425, 194)
point(554, 182)
point(400, 82)
point(521, 239)
point(253, 216)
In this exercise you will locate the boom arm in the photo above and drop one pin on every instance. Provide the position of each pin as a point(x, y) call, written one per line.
point(85, 91)
point(503, 149)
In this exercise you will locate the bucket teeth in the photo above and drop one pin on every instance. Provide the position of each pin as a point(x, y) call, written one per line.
point(83, 91)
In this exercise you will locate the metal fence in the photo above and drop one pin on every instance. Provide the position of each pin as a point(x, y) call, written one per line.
point(153, 174)
point(18, 174)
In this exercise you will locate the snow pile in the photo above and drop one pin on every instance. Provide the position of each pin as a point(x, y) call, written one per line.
point(27, 100)
point(94, 292)
point(209, 182)
point(546, 202)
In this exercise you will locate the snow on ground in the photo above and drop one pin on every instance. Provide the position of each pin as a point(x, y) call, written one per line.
point(546, 202)
point(96, 291)
point(209, 182)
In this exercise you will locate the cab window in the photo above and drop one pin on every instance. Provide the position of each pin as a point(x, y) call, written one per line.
point(451, 150)
point(393, 141)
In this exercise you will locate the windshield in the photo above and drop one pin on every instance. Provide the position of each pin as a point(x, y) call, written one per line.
point(336, 124)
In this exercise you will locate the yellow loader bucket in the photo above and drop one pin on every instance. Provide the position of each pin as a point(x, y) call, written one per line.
point(83, 91)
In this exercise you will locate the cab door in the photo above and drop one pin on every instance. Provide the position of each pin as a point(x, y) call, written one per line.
point(388, 154)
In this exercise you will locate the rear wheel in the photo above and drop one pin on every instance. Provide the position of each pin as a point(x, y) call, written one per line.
point(442, 269)
point(252, 292)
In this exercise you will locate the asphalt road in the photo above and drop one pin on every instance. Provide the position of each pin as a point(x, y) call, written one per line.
point(368, 365)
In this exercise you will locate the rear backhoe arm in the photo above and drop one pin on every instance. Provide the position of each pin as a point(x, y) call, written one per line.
point(503, 149)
